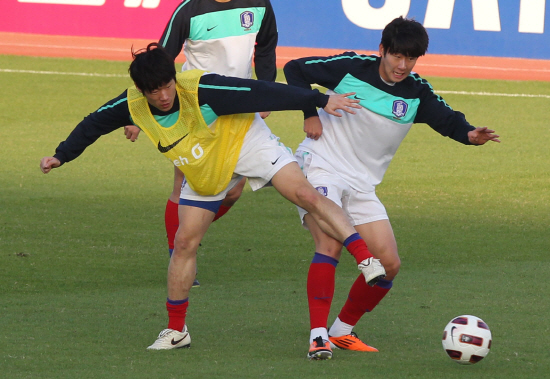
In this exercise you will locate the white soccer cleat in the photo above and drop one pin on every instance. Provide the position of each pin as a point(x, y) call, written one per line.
point(373, 270)
point(172, 339)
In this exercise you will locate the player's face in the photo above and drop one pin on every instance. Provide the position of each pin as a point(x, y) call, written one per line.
point(163, 97)
point(395, 67)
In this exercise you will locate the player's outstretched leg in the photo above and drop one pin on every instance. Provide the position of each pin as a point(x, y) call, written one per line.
point(373, 270)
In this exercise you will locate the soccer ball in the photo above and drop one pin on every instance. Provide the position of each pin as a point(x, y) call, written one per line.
point(467, 339)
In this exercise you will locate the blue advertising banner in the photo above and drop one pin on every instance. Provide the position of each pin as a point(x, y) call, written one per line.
point(497, 28)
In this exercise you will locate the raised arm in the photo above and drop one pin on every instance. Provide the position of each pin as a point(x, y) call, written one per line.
point(439, 115)
point(228, 95)
point(111, 116)
point(324, 71)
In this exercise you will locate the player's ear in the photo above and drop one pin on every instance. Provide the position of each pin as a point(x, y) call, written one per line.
point(381, 50)
point(139, 89)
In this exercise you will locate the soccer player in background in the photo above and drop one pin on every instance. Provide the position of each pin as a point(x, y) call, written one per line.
point(202, 123)
point(345, 158)
point(223, 37)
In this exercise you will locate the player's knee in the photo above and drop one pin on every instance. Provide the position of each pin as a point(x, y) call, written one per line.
point(392, 267)
point(333, 251)
point(309, 199)
point(185, 246)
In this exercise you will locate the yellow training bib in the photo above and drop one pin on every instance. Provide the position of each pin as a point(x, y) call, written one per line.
point(206, 155)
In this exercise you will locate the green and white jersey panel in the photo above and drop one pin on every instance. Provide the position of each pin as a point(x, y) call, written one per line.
point(378, 101)
point(223, 42)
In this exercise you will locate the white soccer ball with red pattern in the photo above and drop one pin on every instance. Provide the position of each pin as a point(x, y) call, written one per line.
point(467, 339)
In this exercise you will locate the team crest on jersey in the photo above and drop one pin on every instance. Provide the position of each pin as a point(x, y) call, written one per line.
point(247, 19)
point(399, 108)
point(322, 190)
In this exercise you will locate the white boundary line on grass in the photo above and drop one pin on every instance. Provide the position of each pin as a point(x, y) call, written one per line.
point(490, 68)
point(493, 94)
point(64, 73)
point(90, 48)
point(467, 93)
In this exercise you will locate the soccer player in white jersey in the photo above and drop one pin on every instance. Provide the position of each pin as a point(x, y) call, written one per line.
point(224, 37)
point(345, 158)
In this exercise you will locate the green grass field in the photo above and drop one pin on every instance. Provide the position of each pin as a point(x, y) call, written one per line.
point(83, 255)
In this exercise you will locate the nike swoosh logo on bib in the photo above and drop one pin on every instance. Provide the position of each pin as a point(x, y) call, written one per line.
point(164, 149)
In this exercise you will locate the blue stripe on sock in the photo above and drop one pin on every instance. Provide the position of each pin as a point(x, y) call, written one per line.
point(321, 258)
point(177, 302)
point(383, 283)
point(350, 239)
point(170, 251)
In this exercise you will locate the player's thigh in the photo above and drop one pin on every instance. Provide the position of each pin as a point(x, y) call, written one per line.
point(194, 222)
point(234, 194)
point(291, 183)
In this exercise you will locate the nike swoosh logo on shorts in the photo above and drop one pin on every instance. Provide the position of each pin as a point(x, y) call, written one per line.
point(209, 29)
point(275, 161)
point(164, 149)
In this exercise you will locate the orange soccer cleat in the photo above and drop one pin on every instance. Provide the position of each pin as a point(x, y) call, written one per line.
point(351, 342)
point(319, 350)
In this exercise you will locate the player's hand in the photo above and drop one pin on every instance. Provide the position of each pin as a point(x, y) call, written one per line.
point(264, 114)
point(47, 163)
point(479, 136)
point(313, 127)
point(341, 102)
point(131, 132)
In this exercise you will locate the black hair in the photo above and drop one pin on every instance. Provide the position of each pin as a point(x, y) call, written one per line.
point(405, 36)
point(152, 67)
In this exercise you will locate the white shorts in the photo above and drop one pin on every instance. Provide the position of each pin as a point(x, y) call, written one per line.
point(359, 207)
point(262, 155)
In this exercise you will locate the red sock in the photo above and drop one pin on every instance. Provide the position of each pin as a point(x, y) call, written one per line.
point(171, 222)
point(320, 289)
point(363, 298)
point(177, 310)
point(223, 210)
point(357, 247)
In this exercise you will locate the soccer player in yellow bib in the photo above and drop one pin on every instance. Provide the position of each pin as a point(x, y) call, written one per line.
point(204, 123)
point(225, 37)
